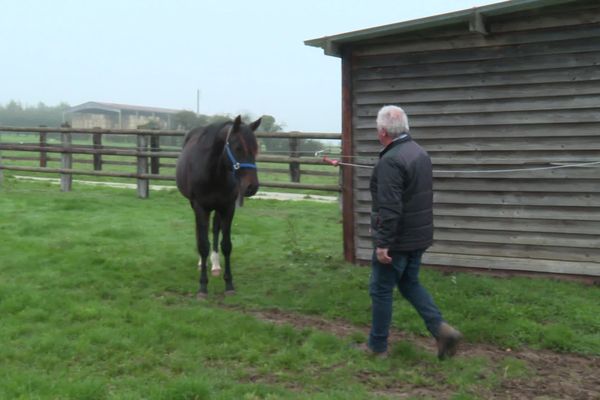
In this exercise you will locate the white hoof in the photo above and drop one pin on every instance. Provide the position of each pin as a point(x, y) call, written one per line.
point(216, 264)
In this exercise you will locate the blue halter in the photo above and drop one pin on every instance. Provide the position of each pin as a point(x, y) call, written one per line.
point(234, 163)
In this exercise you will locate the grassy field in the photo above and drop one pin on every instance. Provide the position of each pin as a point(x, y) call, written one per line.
point(97, 302)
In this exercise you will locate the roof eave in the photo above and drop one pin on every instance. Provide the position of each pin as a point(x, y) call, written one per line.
point(332, 45)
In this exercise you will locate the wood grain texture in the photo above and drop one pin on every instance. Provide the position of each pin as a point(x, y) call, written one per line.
point(524, 96)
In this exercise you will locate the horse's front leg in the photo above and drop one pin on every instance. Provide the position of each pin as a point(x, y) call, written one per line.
point(226, 247)
point(214, 255)
point(202, 218)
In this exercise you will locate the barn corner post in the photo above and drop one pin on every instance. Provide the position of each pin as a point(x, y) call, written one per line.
point(66, 157)
point(142, 166)
point(347, 150)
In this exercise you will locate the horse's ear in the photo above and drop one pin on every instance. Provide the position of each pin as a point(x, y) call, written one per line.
point(236, 123)
point(255, 124)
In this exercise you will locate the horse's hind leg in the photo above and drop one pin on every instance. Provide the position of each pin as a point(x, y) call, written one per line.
point(202, 218)
point(226, 247)
point(214, 255)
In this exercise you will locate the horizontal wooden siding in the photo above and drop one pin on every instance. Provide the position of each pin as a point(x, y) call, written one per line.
point(521, 99)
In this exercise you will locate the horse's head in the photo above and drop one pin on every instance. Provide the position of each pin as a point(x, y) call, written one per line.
point(241, 149)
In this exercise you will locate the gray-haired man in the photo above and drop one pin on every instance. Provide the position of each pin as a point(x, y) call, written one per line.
point(402, 228)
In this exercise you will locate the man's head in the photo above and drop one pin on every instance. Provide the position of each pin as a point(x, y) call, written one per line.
point(391, 123)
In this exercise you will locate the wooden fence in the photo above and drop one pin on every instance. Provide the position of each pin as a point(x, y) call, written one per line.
point(148, 153)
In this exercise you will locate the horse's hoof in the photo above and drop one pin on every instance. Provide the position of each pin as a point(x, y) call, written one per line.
point(229, 292)
point(216, 272)
point(201, 296)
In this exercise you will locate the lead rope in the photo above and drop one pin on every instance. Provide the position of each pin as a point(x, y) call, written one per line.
point(336, 163)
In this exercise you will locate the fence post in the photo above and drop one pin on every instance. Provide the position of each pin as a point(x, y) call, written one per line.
point(142, 167)
point(66, 179)
point(155, 159)
point(43, 154)
point(294, 166)
point(97, 142)
point(1, 170)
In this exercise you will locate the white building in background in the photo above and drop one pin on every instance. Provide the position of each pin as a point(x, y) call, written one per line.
point(118, 116)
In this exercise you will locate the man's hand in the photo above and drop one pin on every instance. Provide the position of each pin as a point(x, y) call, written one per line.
point(382, 256)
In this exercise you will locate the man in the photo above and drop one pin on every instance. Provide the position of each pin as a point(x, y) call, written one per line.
point(402, 229)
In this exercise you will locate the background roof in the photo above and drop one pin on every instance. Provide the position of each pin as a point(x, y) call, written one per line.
point(93, 105)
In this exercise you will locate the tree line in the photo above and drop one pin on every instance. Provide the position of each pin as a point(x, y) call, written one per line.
point(16, 114)
point(188, 120)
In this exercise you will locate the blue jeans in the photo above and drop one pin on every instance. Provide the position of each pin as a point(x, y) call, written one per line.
point(403, 272)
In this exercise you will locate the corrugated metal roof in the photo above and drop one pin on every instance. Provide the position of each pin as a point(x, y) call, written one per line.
point(331, 45)
point(114, 107)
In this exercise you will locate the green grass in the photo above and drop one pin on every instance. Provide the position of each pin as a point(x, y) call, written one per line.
point(97, 302)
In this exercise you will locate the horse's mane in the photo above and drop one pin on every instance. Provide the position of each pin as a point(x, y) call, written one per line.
point(211, 130)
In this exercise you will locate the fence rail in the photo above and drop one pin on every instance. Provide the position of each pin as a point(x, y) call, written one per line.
point(148, 153)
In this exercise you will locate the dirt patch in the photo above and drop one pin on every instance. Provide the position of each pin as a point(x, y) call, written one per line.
point(563, 376)
point(552, 375)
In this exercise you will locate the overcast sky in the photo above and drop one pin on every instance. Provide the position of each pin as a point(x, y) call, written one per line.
point(243, 56)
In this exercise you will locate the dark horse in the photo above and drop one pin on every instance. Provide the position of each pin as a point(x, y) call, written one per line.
point(216, 167)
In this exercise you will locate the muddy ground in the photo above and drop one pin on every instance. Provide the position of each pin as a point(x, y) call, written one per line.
point(552, 375)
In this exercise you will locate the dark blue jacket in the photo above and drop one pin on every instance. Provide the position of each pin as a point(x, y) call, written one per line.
point(402, 197)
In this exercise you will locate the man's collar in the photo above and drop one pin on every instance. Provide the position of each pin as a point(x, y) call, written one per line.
point(402, 138)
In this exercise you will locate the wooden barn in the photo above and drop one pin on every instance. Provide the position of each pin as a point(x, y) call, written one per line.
point(506, 100)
